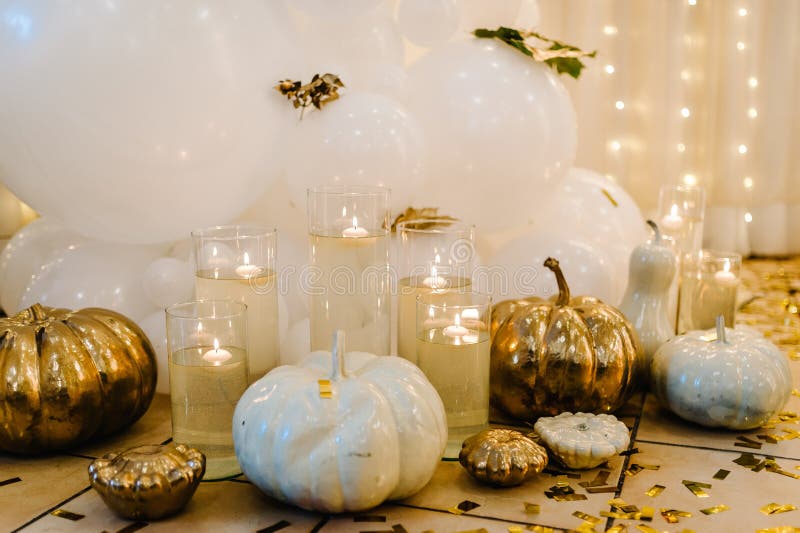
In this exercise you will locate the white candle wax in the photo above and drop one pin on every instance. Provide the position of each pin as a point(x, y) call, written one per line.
point(673, 221)
point(355, 231)
point(456, 330)
point(218, 355)
point(725, 278)
point(246, 270)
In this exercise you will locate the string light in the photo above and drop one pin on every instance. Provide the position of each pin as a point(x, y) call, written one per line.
point(742, 148)
point(691, 2)
point(752, 112)
point(681, 147)
point(610, 30)
point(690, 180)
point(748, 182)
point(740, 46)
point(748, 217)
point(610, 69)
point(685, 113)
point(619, 104)
point(615, 146)
point(685, 75)
point(752, 81)
point(742, 12)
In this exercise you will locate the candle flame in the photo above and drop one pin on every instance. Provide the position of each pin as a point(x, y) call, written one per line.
point(674, 210)
point(458, 320)
point(216, 345)
point(355, 222)
point(726, 266)
point(246, 259)
point(199, 327)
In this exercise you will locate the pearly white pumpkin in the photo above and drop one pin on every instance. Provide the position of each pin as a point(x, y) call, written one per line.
point(729, 378)
point(379, 435)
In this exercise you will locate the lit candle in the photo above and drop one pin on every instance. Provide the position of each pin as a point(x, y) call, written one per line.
point(434, 281)
point(456, 330)
point(725, 277)
point(218, 355)
point(673, 221)
point(246, 270)
point(355, 231)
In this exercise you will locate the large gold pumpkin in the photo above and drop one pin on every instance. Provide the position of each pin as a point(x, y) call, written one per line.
point(68, 376)
point(563, 354)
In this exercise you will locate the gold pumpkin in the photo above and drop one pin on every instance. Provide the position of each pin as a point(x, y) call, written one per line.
point(562, 354)
point(68, 376)
point(502, 457)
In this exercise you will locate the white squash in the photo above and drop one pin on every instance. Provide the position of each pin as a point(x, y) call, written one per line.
point(725, 378)
point(583, 440)
point(378, 435)
point(645, 304)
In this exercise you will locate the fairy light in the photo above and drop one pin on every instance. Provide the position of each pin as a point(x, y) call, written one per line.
point(740, 46)
point(681, 147)
point(742, 149)
point(748, 217)
point(685, 75)
point(609, 30)
point(742, 12)
point(747, 182)
point(691, 2)
point(619, 104)
point(614, 146)
point(685, 113)
point(752, 112)
point(609, 69)
point(752, 81)
point(690, 180)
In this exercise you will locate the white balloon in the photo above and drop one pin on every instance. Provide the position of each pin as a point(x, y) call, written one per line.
point(337, 10)
point(154, 326)
point(361, 139)
point(164, 118)
point(500, 131)
point(529, 15)
point(168, 281)
point(30, 251)
point(517, 270)
point(297, 343)
point(95, 274)
point(482, 14)
point(427, 22)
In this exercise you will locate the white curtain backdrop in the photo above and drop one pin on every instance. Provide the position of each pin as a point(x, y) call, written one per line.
point(703, 92)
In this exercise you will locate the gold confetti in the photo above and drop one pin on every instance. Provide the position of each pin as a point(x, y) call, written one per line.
point(754, 446)
point(599, 479)
point(779, 529)
point(325, 388)
point(795, 392)
point(463, 507)
point(541, 529)
point(646, 529)
point(747, 460)
point(586, 517)
point(610, 198)
point(69, 515)
point(672, 515)
point(619, 528)
point(697, 488)
point(771, 439)
point(532, 508)
point(515, 529)
point(647, 513)
point(598, 490)
point(721, 473)
point(481, 530)
point(776, 508)
point(655, 490)
point(716, 509)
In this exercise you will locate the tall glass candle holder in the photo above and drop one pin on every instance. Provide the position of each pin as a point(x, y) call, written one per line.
point(349, 280)
point(435, 258)
point(207, 349)
point(238, 262)
point(453, 343)
point(681, 211)
point(709, 283)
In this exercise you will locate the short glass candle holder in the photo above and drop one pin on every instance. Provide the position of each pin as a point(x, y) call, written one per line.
point(436, 258)
point(681, 210)
point(708, 286)
point(349, 283)
point(238, 263)
point(207, 349)
point(453, 342)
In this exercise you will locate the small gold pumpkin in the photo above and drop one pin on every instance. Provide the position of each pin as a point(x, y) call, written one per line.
point(68, 376)
point(563, 354)
point(502, 457)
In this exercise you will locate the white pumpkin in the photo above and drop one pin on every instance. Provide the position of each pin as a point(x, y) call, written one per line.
point(729, 378)
point(583, 440)
point(378, 435)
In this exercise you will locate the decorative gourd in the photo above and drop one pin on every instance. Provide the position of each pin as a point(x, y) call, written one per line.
point(551, 356)
point(502, 457)
point(729, 378)
point(339, 434)
point(645, 304)
point(583, 440)
point(69, 376)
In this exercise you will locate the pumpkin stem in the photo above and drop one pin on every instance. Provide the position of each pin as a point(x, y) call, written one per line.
point(337, 355)
point(563, 288)
point(721, 329)
point(38, 312)
point(656, 232)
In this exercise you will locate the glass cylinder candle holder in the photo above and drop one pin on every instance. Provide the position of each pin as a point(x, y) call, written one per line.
point(436, 258)
point(708, 289)
point(453, 342)
point(681, 210)
point(349, 281)
point(238, 263)
point(207, 350)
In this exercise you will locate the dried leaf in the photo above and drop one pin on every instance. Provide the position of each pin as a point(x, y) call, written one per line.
point(320, 91)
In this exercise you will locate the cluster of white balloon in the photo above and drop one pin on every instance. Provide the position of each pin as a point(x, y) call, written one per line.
point(130, 123)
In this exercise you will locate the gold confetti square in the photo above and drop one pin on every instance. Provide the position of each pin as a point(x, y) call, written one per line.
point(721, 474)
point(532, 508)
point(776, 508)
point(655, 490)
point(325, 388)
point(697, 488)
point(586, 517)
point(716, 509)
